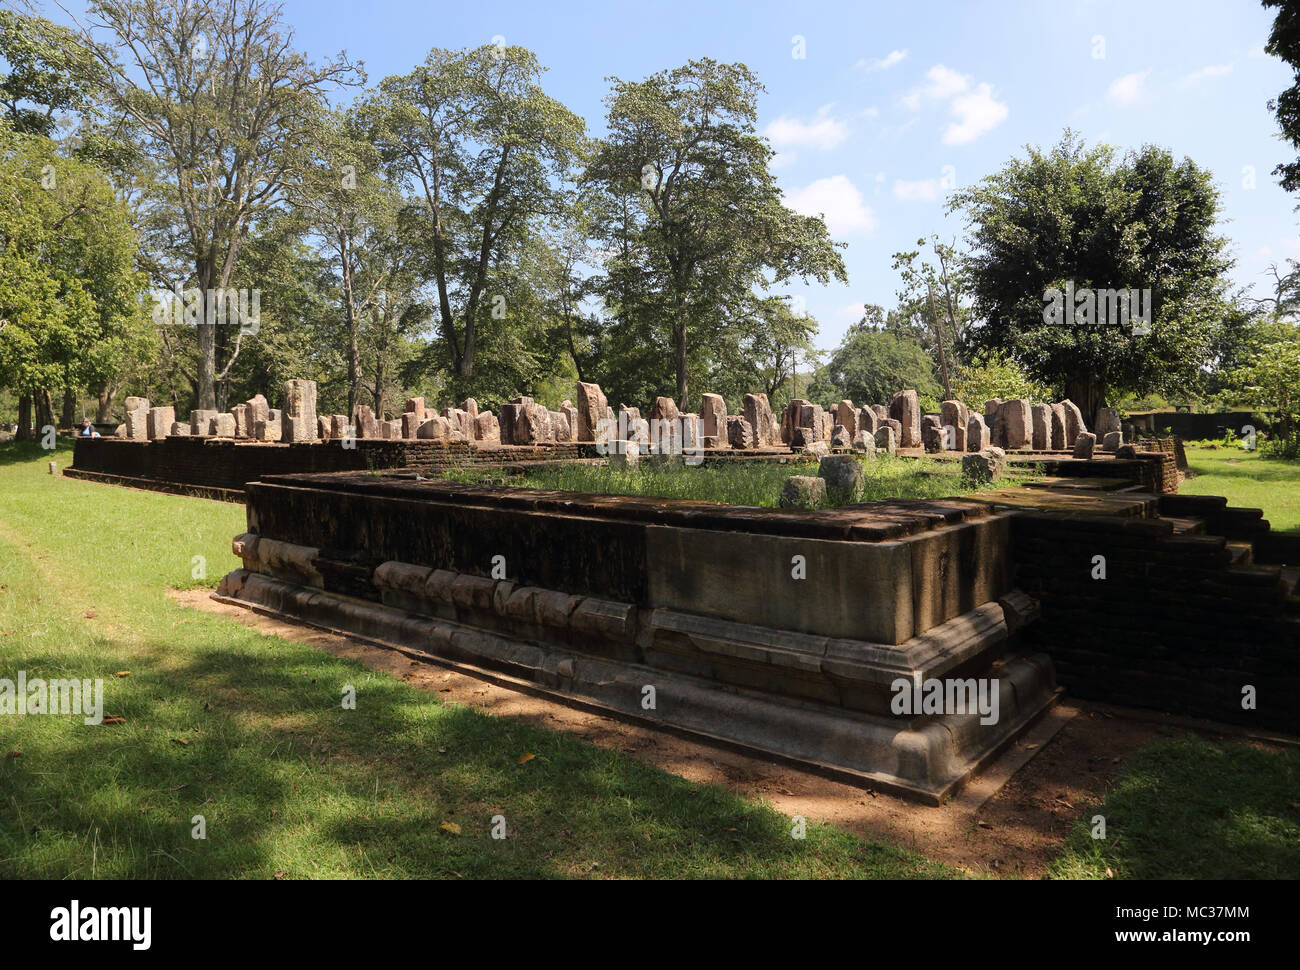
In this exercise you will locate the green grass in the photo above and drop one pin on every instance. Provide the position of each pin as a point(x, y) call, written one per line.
point(287, 780)
point(1247, 479)
point(1191, 809)
point(747, 483)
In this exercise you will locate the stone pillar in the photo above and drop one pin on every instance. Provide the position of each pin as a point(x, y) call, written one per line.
point(137, 418)
point(591, 405)
point(955, 415)
point(159, 422)
point(905, 408)
point(713, 420)
point(299, 413)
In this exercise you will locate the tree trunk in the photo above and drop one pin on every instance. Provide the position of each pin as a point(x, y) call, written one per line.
point(1088, 395)
point(25, 418)
point(104, 410)
point(44, 412)
point(679, 348)
point(207, 338)
point(70, 407)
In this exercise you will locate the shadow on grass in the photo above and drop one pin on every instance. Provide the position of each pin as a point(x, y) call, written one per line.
point(19, 452)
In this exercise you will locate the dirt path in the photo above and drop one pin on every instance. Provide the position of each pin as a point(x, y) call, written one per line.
point(1016, 832)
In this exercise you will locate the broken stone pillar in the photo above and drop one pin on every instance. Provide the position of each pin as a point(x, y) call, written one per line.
point(1013, 426)
point(364, 422)
point(978, 437)
point(713, 420)
point(983, 466)
point(470, 407)
point(271, 428)
point(411, 421)
point(881, 413)
point(200, 420)
point(954, 418)
point(740, 434)
point(591, 404)
point(322, 427)
point(1084, 445)
point(864, 442)
point(840, 438)
point(868, 420)
point(298, 416)
point(222, 425)
point(905, 408)
point(1112, 441)
point(435, 429)
point(486, 427)
point(1107, 421)
point(664, 410)
point(240, 413)
point(415, 405)
point(991, 409)
point(137, 418)
point(803, 492)
point(510, 414)
point(560, 427)
point(931, 433)
point(257, 410)
point(762, 422)
point(842, 475)
point(159, 422)
point(886, 439)
point(339, 426)
point(1074, 425)
point(1041, 417)
point(1058, 438)
point(847, 415)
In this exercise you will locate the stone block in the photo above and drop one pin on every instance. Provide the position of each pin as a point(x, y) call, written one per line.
point(843, 477)
point(1084, 445)
point(803, 492)
point(159, 422)
point(591, 404)
point(1041, 418)
point(905, 408)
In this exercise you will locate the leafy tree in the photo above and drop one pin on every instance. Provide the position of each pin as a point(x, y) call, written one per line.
point(871, 364)
point(699, 210)
point(482, 149)
point(1284, 42)
point(48, 73)
point(994, 375)
point(221, 107)
point(937, 297)
point(1081, 215)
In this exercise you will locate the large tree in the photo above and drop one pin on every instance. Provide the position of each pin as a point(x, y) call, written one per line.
point(483, 152)
point(1086, 216)
point(872, 363)
point(707, 221)
point(222, 107)
point(1284, 42)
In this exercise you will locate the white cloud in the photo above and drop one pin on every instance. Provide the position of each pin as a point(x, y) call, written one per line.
point(1129, 88)
point(1205, 73)
point(836, 198)
point(872, 112)
point(848, 315)
point(940, 83)
point(822, 131)
point(974, 114)
point(924, 190)
point(881, 63)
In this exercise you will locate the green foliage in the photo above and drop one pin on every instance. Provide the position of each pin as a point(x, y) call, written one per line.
point(1084, 215)
point(993, 375)
point(871, 365)
point(1284, 42)
point(1270, 380)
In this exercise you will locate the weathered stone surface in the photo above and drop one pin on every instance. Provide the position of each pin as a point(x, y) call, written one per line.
point(415, 405)
point(864, 442)
point(364, 422)
point(560, 430)
point(486, 427)
point(1107, 421)
point(897, 427)
point(179, 428)
point(511, 414)
point(1074, 425)
point(886, 439)
point(803, 492)
point(981, 467)
point(626, 457)
point(843, 477)
point(1012, 425)
point(137, 418)
point(470, 407)
point(120, 431)
point(977, 434)
point(664, 410)
point(390, 430)
point(222, 425)
point(339, 426)
point(299, 412)
point(762, 422)
point(713, 416)
point(881, 413)
point(571, 415)
point(270, 428)
point(868, 420)
point(1126, 451)
point(258, 410)
point(1041, 417)
point(435, 429)
point(323, 426)
point(591, 404)
point(1058, 438)
point(847, 416)
point(954, 418)
point(931, 433)
point(159, 422)
point(411, 421)
point(840, 437)
point(905, 408)
point(243, 429)
point(991, 408)
point(1112, 441)
point(1084, 445)
point(740, 434)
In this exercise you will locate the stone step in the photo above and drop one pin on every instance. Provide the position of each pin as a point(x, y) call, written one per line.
point(1186, 525)
point(1240, 553)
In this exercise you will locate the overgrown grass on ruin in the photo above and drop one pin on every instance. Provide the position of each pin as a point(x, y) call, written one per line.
point(1247, 479)
point(739, 482)
point(1188, 808)
point(248, 731)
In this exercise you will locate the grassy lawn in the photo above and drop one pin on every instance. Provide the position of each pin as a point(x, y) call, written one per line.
point(248, 731)
point(1247, 480)
point(1191, 809)
point(739, 482)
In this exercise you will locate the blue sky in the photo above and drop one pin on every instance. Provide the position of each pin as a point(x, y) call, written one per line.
point(892, 101)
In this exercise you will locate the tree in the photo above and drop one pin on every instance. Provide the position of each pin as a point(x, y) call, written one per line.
point(871, 364)
point(221, 106)
point(1081, 216)
point(1284, 42)
point(702, 208)
point(48, 73)
point(938, 297)
point(474, 138)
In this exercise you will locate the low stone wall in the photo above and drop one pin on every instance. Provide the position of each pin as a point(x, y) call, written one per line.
point(1173, 626)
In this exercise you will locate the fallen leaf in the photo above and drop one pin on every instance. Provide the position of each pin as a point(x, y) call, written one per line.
point(123, 673)
point(113, 719)
point(280, 874)
point(90, 614)
point(180, 741)
point(525, 758)
point(451, 827)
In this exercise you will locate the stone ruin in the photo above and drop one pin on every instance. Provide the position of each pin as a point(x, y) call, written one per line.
point(803, 426)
